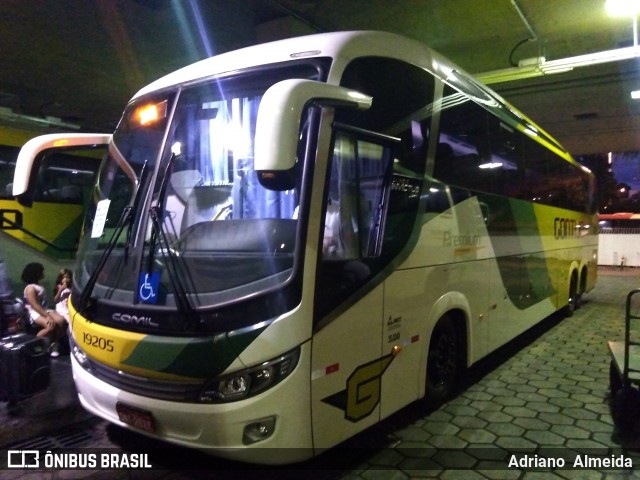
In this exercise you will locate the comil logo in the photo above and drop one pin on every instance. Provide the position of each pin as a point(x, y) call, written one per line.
point(23, 459)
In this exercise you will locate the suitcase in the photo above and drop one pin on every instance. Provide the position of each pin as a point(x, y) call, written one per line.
point(14, 317)
point(25, 366)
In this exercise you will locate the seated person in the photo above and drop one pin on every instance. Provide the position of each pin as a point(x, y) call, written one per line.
point(51, 323)
point(62, 291)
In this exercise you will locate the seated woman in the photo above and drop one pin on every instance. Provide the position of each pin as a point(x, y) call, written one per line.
point(51, 323)
point(62, 291)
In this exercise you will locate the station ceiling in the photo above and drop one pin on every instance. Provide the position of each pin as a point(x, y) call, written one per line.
point(77, 62)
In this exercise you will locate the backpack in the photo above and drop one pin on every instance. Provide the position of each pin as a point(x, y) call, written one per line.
point(14, 316)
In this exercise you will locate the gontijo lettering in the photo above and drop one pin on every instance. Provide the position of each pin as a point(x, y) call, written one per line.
point(564, 228)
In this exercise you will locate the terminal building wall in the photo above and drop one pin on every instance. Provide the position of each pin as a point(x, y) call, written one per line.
point(614, 247)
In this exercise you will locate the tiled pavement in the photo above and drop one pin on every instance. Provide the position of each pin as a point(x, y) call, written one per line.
point(545, 395)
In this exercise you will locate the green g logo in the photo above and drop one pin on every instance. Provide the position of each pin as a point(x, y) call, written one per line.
point(362, 394)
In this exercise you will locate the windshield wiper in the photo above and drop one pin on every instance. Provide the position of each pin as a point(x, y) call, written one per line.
point(124, 221)
point(176, 270)
point(134, 207)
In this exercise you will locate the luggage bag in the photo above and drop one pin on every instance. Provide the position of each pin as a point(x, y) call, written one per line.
point(25, 366)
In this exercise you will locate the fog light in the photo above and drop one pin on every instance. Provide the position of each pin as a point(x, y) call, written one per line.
point(258, 431)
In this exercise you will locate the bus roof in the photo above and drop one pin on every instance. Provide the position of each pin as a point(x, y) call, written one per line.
point(342, 47)
point(338, 45)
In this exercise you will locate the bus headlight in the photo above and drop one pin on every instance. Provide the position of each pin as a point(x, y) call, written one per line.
point(79, 354)
point(249, 382)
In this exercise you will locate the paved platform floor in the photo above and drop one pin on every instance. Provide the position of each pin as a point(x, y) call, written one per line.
point(544, 395)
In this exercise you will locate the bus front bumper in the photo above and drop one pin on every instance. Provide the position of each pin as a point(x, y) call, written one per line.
point(280, 415)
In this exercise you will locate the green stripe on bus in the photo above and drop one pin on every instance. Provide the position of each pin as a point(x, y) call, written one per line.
point(190, 357)
point(524, 276)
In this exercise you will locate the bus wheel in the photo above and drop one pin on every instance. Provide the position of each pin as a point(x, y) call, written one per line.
point(570, 309)
point(578, 302)
point(443, 362)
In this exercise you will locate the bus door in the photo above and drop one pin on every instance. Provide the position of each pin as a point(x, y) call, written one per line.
point(348, 358)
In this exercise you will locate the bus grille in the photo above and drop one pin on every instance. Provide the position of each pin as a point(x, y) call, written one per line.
point(148, 387)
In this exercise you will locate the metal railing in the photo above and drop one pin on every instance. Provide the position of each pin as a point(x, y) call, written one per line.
point(14, 226)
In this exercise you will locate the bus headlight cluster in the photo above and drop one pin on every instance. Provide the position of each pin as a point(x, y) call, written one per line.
point(249, 382)
point(79, 354)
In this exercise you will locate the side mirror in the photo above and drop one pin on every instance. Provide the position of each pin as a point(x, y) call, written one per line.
point(32, 152)
point(278, 124)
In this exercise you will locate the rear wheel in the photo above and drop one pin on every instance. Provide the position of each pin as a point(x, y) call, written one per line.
point(570, 309)
point(443, 362)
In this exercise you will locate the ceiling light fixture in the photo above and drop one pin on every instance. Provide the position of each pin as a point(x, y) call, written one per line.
point(530, 68)
point(558, 66)
point(8, 116)
point(620, 8)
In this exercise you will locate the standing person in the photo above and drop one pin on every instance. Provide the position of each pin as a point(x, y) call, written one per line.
point(62, 293)
point(51, 323)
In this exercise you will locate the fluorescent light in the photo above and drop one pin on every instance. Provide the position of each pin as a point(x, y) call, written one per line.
point(616, 55)
point(635, 94)
point(620, 8)
point(509, 74)
point(490, 165)
point(552, 69)
point(8, 115)
point(559, 66)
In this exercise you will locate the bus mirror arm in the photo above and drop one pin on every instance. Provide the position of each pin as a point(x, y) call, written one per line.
point(278, 124)
point(31, 153)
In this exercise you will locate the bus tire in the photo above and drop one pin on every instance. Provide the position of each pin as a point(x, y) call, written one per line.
point(578, 301)
point(570, 309)
point(443, 362)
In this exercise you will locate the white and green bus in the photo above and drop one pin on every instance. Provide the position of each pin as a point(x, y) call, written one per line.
point(290, 242)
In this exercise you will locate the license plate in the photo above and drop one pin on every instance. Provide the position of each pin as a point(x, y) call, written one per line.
point(135, 417)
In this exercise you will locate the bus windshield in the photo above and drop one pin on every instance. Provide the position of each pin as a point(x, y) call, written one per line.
point(178, 215)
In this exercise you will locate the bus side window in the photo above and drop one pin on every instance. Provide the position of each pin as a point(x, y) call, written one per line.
point(356, 207)
point(369, 227)
point(8, 157)
point(357, 197)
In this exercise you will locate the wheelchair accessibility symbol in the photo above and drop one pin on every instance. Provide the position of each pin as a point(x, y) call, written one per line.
point(148, 287)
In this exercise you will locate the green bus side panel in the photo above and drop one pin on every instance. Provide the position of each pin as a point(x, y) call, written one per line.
point(511, 224)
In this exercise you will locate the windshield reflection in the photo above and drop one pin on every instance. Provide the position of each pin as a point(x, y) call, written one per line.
point(202, 230)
